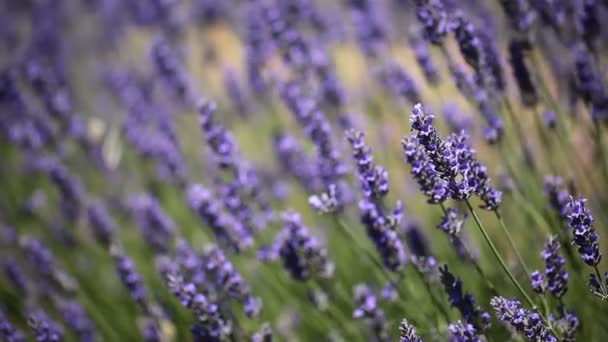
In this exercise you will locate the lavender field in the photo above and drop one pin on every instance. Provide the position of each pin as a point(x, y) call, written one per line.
point(303, 170)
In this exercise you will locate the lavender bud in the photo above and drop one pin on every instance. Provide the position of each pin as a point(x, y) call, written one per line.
point(463, 301)
point(155, 225)
point(585, 237)
point(451, 223)
point(366, 307)
point(101, 223)
point(407, 332)
point(45, 329)
point(463, 332)
point(8, 332)
point(128, 275)
point(525, 321)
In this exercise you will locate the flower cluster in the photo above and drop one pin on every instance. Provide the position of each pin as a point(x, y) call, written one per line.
point(527, 322)
point(555, 277)
point(463, 301)
point(581, 222)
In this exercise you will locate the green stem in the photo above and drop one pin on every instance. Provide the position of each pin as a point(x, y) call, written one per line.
point(498, 257)
point(600, 280)
point(511, 242)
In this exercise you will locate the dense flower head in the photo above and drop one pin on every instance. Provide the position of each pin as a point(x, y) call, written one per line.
point(155, 225)
point(8, 332)
point(396, 80)
point(130, 278)
point(557, 193)
point(45, 329)
point(555, 277)
point(462, 332)
point(102, 225)
point(381, 230)
point(303, 255)
point(78, 321)
point(463, 301)
point(434, 19)
point(294, 160)
point(517, 55)
point(566, 323)
point(219, 140)
point(169, 69)
point(369, 27)
point(225, 227)
point(585, 237)
point(527, 322)
point(451, 223)
point(367, 308)
point(407, 332)
point(228, 280)
point(373, 178)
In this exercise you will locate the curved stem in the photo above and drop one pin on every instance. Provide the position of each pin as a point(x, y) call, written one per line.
point(498, 257)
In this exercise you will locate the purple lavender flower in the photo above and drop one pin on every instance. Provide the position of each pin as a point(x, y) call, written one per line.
point(264, 334)
point(407, 332)
point(37, 255)
point(257, 48)
point(462, 332)
point(558, 195)
point(210, 325)
point(549, 118)
point(170, 70)
point(228, 280)
point(555, 277)
point(366, 307)
point(517, 55)
point(394, 78)
point(451, 223)
point(155, 225)
point(102, 225)
point(293, 160)
point(424, 171)
point(331, 90)
point(585, 237)
point(129, 276)
point(433, 18)
point(527, 322)
point(77, 320)
point(234, 92)
point(14, 273)
point(589, 84)
point(45, 329)
point(456, 120)
point(519, 14)
point(463, 301)
point(588, 21)
point(295, 49)
point(373, 178)
point(424, 60)
point(551, 12)
point(8, 332)
point(219, 140)
point(381, 230)
point(70, 188)
point(369, 30)
point(303, 256)
point(566, 323)
point(225, 227)
point(596, 287)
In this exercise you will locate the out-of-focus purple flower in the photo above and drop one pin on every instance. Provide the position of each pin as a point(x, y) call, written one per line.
point(257, 48)
point(549, 118)
point(45, 329)
point(303, 255)
point(369, 29)
point(14, 273)
point(155, 225)
point(373, 178)
point(456, 120)
point(149, 330)
point(210, 324)
point(566, 323)
point(434, 19)
point(102, 225)
point(395, 79)
point(423, 57)
point(552, 12)
point(294, 160)
point(78, 321)
point(234, 92)
point(555, 277)
point(70, 188)
point(463, 301)
point(588, 20)
point(331, 90)
point(264, 334)
point(581, 222)
point(451, 223)
point(227, 279)
point(219, 140)
point(366, 307)
point(558, 194)
point(129, 277)
point(589, 84)
point(382, 231)
point(527, 322)
point(407, 332)
point(285, 34)
point(462, 332)
point(520, 15)
point(517, 55)
point(37, 255)
point(225, 227)
point(170, 70)
point(8, 332)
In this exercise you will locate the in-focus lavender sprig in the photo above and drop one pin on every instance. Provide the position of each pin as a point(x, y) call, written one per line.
point(373, 178)
point(527, 322)
point(407, 332)
point(555, 278)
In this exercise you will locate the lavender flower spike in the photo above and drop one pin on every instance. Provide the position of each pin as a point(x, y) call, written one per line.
point(585, 237)
point(128, 275)
point(407, 332)
point(463, 301)
point(525, 321)
point(463, 332)
point(555, 277)
point(44, 328)
point(373, 178)
point(8, 332)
